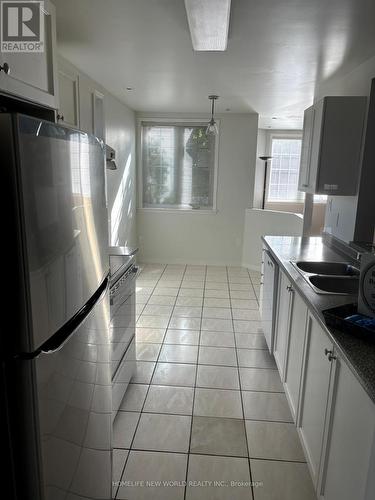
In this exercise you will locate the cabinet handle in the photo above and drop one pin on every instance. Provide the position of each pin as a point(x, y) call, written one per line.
point(60, 117)
point(329, 354)
point(5, 67)
point(305, 185)
point(290, 289)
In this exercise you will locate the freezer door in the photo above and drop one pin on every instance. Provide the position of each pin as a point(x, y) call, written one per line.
point(74, 395)
point(63, 215)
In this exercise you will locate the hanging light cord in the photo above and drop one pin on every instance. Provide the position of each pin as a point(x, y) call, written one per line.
point(212, 108)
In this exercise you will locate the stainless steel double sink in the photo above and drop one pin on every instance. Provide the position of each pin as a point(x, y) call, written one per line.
point(337, 278)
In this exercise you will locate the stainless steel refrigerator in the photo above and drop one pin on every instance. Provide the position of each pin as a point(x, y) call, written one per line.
point(56, 366)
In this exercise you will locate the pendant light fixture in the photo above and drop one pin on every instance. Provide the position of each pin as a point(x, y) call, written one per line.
point(212, 125)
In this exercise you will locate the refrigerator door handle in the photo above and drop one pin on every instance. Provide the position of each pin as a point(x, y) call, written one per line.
point(59, 339)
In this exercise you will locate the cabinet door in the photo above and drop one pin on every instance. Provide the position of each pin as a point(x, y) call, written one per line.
point(32, 76)
point(98, 115)
point(314, 394)
point(304, 169)
point(282, 323)
point(350, 439)
point(340, 148)
point(68, 98)
point(296, 342)
point(266, 298)
point(316, 141)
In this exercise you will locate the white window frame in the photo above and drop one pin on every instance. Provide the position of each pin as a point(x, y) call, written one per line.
point(293, 134)
point(171, 121)
point(280, 135)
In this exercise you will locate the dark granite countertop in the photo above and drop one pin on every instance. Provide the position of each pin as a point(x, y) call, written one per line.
point(357, 353)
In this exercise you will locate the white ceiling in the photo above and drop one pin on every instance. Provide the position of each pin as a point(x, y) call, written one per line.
point(278, 51)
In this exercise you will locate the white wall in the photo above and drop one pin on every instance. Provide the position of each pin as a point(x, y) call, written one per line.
point(121, 183)
point(266, 222)
point(341, 210)
point(120, 135)
point(210, 238)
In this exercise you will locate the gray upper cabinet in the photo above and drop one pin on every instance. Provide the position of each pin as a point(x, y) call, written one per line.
point(331, 146)
point(33, 76)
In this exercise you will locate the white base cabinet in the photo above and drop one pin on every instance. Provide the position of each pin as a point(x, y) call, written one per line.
point(334, 415)
point(347, 469)
point(294, 351)
point(267, 297)
point(314, 394)
point(282, 322)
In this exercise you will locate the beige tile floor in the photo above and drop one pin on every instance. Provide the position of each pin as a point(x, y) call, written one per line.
point(205, 416)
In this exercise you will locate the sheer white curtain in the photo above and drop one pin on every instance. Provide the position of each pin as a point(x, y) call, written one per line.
point(178, 166)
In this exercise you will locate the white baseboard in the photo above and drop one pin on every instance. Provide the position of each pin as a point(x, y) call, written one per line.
point(252, 267)
point(143, 260)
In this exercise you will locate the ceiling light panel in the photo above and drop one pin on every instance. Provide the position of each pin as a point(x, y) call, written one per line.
point(208, 23)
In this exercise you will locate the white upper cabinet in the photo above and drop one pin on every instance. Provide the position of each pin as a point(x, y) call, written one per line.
point(98, 115)
point(331, 146)
point(33, 76)
point(68, 111)
point(81, 105)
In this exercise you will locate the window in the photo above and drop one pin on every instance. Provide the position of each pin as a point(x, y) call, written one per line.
point(283, 183)
point(178, 166)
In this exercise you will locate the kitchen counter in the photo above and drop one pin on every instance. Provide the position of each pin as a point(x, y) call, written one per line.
point(359, 354)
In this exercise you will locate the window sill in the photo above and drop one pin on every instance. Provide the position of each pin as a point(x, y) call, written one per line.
point(210, 211)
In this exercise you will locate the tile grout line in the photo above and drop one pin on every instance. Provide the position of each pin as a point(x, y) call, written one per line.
point(212, 417)
point(242, 405)
point(153, 371)
point(214, 455)
point(195, 385)
point(139, 418)
point(252, 286)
